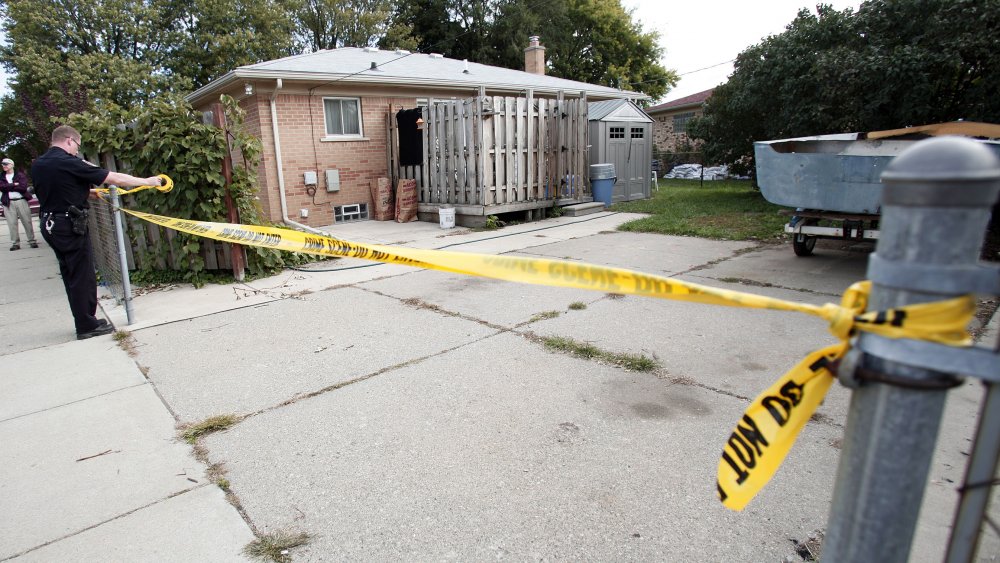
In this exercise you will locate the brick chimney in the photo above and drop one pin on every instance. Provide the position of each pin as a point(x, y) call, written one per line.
point(534, 57)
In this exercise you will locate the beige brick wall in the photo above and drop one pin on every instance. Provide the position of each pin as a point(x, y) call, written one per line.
point(664, 137)
point(301, 129)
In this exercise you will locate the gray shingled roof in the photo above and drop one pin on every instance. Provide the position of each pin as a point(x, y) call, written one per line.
point(597, 111)
point(353, 65)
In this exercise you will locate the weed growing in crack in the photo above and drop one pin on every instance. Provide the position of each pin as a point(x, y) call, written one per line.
point(634, 362)
point(275, 546)
point(577, 306)
point(125, 342)
point(191, 432)
point(544, 315)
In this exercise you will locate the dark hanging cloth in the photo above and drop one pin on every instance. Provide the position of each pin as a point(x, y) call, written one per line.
point(411, 139)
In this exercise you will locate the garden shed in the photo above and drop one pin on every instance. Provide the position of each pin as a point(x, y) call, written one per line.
point(622, 134)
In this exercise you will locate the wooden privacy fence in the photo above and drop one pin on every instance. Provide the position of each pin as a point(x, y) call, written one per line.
point(495, 151)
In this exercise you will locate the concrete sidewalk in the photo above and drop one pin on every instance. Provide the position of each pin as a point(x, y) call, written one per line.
point(403, 414)
point(90, 469)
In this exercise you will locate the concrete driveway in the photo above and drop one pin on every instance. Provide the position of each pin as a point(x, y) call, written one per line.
point(402, 414)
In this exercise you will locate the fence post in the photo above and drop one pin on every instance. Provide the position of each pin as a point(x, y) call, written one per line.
point(118, 215)
point(219, 120)
point(936, 203)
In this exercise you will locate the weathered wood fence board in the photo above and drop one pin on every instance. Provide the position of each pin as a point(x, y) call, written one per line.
point(495, 150)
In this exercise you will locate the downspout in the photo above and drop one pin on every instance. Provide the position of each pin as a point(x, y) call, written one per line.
point(278, 165)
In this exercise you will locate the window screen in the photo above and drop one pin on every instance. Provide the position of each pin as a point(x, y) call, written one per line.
point(342, 116)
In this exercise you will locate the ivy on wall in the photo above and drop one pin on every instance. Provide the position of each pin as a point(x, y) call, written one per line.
point(166, 136)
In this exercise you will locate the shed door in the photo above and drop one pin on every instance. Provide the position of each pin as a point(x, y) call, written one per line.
point(617, 154)
point(638, 162)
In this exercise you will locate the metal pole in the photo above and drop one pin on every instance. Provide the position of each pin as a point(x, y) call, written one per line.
point(936, 202)
point(116, 213)
point(978, 480)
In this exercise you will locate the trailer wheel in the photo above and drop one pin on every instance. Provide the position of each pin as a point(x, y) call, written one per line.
point(803, 245)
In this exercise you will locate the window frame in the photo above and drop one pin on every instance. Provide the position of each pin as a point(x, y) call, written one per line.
point(682, 119)
point(327, 135)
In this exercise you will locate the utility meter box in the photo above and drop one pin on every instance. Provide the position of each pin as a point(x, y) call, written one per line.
point(333, 180)
point(310, 177)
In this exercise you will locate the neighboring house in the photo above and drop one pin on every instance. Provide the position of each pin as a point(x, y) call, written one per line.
point(671, 118)
point(324, 121)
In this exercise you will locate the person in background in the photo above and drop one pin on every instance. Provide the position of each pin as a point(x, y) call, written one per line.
point(14, 197)
point(63, 184)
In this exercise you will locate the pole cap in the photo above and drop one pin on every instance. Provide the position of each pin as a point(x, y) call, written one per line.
point(945, 171)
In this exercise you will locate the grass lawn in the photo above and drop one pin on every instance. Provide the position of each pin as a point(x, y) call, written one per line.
point(723, 210)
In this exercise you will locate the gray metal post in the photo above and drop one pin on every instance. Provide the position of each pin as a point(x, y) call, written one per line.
point(978, 476)
point(122, 257)
point(935, 206)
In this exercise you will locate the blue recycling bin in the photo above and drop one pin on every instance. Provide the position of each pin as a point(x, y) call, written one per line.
point(602, 182)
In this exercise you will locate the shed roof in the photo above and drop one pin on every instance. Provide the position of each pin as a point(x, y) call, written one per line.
point(368, 65)
point(616, 110)
point(694, 100)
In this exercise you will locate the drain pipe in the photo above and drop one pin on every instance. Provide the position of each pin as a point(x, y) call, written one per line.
point(278, 165)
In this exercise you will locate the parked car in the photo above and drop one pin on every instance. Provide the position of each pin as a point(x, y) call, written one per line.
point(32, 203)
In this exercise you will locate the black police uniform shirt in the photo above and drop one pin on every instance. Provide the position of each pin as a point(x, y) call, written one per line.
point(62, 180)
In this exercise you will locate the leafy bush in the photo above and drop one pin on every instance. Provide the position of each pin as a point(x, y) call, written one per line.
point(168, 136)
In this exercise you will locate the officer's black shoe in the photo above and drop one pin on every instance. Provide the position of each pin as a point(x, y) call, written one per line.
point(103, 327)
point(15, 247)
point(33, 244)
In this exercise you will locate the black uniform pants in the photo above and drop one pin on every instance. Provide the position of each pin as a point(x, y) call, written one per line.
point(76, 264)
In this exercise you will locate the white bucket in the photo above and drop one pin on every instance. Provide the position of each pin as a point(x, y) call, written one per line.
point(446, 215)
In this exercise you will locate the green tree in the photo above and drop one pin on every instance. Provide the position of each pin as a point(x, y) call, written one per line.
point(69, 55)
point(329, 24)
point(597, 41)
point(212, 37)
point(593, 41)
point(891, 64)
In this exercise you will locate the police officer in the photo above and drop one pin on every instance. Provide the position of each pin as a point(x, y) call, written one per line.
point(63, 185)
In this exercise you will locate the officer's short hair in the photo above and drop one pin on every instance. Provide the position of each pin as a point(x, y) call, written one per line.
point(65, 132)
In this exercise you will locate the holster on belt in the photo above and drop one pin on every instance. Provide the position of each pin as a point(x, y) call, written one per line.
point(78, 217)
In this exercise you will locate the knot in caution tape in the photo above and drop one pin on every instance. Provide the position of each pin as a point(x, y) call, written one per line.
point(164, 187)
point(772, 421)
point(770, 425)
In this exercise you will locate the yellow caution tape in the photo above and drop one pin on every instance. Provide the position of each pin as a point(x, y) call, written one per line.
point(167, 185)
point(769, 426)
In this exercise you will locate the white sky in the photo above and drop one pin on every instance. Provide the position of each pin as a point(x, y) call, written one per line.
point(701, 33)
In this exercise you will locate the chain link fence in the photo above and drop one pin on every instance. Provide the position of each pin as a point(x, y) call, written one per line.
point(107, 254)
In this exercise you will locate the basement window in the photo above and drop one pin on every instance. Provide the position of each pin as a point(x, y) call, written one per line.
point(350, 212)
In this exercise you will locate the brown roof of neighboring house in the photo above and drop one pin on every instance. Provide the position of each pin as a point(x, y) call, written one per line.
point(693, 100)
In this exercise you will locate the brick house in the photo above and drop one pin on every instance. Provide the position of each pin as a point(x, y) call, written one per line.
point(323, 119)
point(670, 120)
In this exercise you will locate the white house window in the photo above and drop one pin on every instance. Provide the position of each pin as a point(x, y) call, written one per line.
point(343, 117)
point(681, 122)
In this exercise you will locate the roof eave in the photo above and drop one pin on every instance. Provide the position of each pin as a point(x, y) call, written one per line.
point(229, 78)
point(692, 105)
